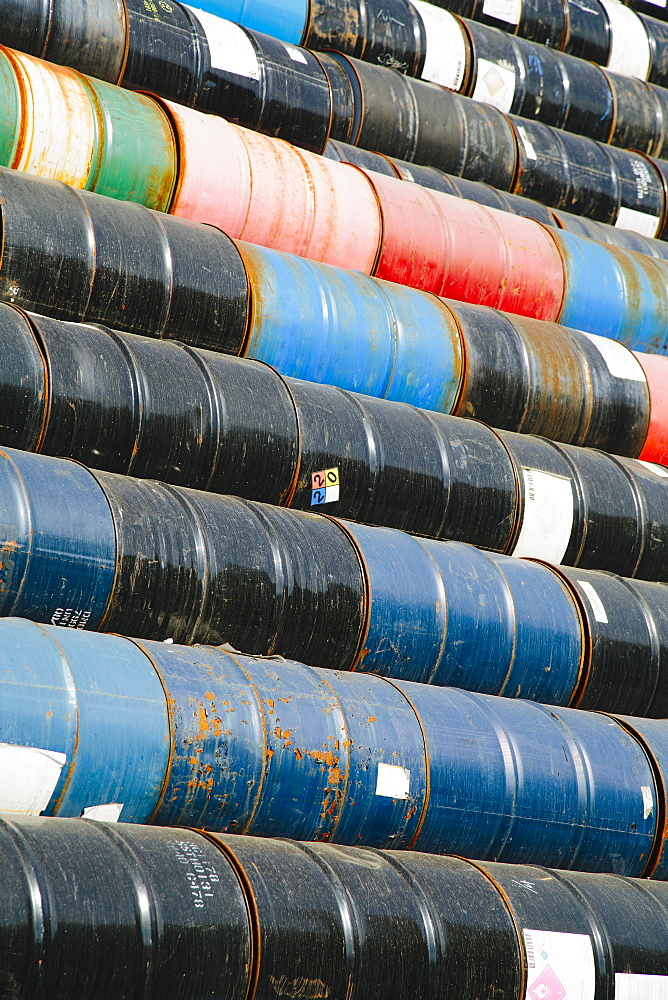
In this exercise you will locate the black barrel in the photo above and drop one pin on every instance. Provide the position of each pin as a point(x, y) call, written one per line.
point(638, 121)
point(394, 36)
point(343, 120)
point(657, 33)
point(23, 399)
point(405, 468)
point(167, 50)
point(590, 109)
point(529, 209)
point(25, 25)
point(90, 36)
point(588, 32)
point(431, 177)
point(362, 158)
point(386, 114)
point(643, 199)
point(337, 26)
point(271, 86)
point(482, 194)
point(653, 8)
point(543, 21)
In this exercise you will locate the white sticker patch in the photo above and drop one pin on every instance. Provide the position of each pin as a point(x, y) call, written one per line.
point(647, 800)
point(494, 85)
point(107, 813)
point(230, 48)
point(28, 777)
point(637, 222)
point(548, 516)
point(560, 966)
point(503, 10)
point(392, 781)
point(595, 601)
point(295, 54)
point(630, 52)
point(445, 61)
point(619, 360)
point(658, 3)
point(527, 143)
point(658, 470)
point(631, 986)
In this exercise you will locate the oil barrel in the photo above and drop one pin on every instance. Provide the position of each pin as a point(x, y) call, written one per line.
point(588, 31)
point(266, 191)
point(166, 50)
point(336, 26)
point(381, 164)
point(264, 84)
point(653, 8)
point(343, 99)
point(135, 153)
point(655, 447)
point(643, 200)
point(23, 402)
point(287, 20)
point(652, 54)
point(638, 114)
point(444, 32)
point(496, 633)
point(26, 26)
point(590, 110)
point(391, 331)
point(631, 47)
point(91, 37)
point(394, 35)
point(152, 907)
point(53, 121)
point(650, 733)
point(542, 21)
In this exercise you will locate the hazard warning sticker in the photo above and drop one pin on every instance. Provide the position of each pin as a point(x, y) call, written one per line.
point(560, 966)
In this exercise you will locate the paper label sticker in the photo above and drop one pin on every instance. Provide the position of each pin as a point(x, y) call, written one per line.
point(445, 60)
point(508, 11)
point(658, 470)
point(637, 222)
point(630, 52)
point(230, 48)
point(647, 801)
point(393, 782)
point(527, 143)
point(560, 966)
point(28, 777)
point(658, 3)
point(325, 486)
point(548, 516)
point(619, 360)
point(494, 85)
point(595, 602)
point(295, 54)
point(634, 986)
point(107, 813)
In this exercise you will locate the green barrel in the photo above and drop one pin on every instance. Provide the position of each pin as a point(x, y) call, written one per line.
point(10, 111)
point(135, 155)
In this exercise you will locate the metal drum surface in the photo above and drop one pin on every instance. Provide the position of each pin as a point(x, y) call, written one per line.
point(638, 121)
point(651, 734)
point(343, 99)
point(57, 123)
point(588, 33)
point(11, 112)
point(167, 51)
point(135, 157)
point(23, 402)
point(90, 36)
point(543, 21)
point(26, 26)
point(56, 704)
point(655, 447)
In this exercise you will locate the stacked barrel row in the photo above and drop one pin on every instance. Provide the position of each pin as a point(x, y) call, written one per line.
point(175, 735)
point(198, 915)
point(103, 551)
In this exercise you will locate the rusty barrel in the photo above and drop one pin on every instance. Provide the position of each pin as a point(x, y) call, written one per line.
point(655, 448)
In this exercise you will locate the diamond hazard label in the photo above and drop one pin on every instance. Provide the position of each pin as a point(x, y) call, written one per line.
point(547, 986)
point(560, 966)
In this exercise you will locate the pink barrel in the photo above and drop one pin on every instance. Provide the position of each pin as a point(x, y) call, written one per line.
point(265, 191)
point(655, 367)
point(58, 125)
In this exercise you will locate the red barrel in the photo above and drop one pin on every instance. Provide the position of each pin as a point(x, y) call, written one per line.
point(655, 367)
point(463, 250)
point(265, 191)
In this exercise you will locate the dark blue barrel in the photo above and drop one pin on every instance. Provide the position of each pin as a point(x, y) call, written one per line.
point(58, 541)
point(352, 331)
point(286, 20)
point(446, 613)
point(97, 704)
point(652, 734)
point(521, 781)
point(613, 293)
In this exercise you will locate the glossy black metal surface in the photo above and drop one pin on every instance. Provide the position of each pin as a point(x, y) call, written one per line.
point(588, 33)
point(23, 399)
point(167, 50)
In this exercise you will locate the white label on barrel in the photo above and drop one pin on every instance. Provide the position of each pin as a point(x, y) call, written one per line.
point(494, 85)
point(503, 10)
point(445, 61)
point(230, 48)
point(647, 800)
point(635, 986)
point(107, 813)
point(637, 222)
point(619, 360)
point(595, 601)
point(548, 516)
point(392, 781)
point(527, 143)
point(295, 54)
point(658, 470)
point(658, 3)
point(28, 776)
point(630, 52)
point(560, 966)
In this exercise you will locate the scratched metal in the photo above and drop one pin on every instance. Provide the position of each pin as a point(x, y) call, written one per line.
point(88, 35)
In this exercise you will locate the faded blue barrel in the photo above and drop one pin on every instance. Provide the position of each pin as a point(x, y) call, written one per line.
point(324, 324)
point(285, 20)
point(614, 293)
point(652, 734)
point(275, 748)
point(95, 702)
point(447, 613)
point(58, 544)
point(520, 782)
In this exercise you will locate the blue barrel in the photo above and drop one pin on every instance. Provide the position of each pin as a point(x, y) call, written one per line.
point(94, 699)
point(447, 613)
point(652, 734)
point(515, 781)
point(324, 324)
point(58, 541)
point(614, 293)
point(285, 20)
point(275, 748)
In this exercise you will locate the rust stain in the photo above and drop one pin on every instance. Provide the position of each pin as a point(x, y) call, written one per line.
point(211, 696)
point(372, 718)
